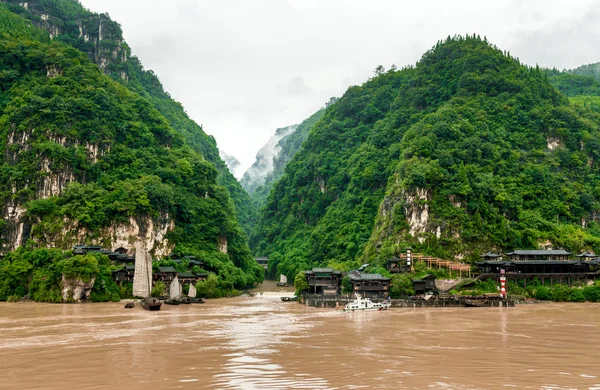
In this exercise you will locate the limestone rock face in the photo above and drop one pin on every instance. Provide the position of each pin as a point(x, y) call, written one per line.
point(75, 290)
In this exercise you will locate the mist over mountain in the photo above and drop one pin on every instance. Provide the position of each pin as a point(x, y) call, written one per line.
point(232, 163)
point(265, 160)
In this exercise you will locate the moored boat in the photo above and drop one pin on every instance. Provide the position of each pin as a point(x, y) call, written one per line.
point(174, 292)
point(152, 304)
point(475, 302)
point(192, 295)
point(129, 305)
point(364, 304)
point(282, 281)
point(289, 299)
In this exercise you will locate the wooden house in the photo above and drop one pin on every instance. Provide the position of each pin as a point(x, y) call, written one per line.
point(164, 274)
point(374, 286)
point(326, 281)
point(121, 250)
point(556, 255)
point(187, 277)
point(124, 274)
point(424, 285)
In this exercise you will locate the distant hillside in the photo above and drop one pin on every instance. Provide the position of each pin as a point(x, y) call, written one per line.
point(467, 151)
point(582, 89)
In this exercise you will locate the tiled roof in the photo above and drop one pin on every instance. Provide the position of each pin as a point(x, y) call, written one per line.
point(557, 252)
point(367, 277)
point(166, 270)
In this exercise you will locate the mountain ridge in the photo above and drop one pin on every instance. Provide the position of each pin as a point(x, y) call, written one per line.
point(407, 159)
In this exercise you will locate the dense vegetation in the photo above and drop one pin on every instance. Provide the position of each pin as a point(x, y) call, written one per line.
point(61, 116)
point(290, 145)
point(496, 156)
point(543, 291)
point(102, 40)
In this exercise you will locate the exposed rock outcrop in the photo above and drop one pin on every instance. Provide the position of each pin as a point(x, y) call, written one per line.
point(76, 290)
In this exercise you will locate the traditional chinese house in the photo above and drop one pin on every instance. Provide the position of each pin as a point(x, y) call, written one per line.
point(553, 265)
point(424, 285)
point(124, 274)
point(539, 255)
point(187, 277)
point(326, 281)
point(374, 286)
point(164, 274)
point(396, 265)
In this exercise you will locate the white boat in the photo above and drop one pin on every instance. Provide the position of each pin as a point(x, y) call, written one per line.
point(282, 281)
point(364, 304)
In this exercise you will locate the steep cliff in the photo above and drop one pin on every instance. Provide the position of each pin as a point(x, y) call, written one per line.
point(86, 159)
point(102, 40)
point(467, 150)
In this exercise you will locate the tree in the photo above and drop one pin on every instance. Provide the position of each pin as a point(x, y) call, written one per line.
point(158, 290)
point(346, 285)
point(379, 70)
point(401, 286)
point(300, 283)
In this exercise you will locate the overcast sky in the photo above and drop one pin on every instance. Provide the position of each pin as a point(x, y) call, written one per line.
point(243, 68)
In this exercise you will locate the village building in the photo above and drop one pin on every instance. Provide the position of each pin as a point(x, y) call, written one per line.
point(396, 265)
point(424, 285)
point(491, 256)
point(125, 274)
point(553, 265)
point(187, 277)
point(539, 255)
point(165, 275)
point(326, 281)
point(374, 286)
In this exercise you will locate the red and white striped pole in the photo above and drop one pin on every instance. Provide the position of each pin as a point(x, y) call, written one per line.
point(503, 284)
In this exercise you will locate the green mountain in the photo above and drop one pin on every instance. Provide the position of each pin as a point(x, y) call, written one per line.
point(466, 151)
point(581, 85)
point(95, 152)
point(102, 40)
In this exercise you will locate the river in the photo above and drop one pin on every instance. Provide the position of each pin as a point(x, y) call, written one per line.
point(262, 343)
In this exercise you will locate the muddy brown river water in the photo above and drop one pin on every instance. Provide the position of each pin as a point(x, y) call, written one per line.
point(261, 343)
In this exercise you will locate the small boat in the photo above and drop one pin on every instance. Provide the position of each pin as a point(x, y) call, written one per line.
point(174, 292)
point(192, 296)
point(475, 302)
point(185, 300)
point(289, 299)
point(364, 304)
point(152, 304)
point(282, 281)
point(129, 305)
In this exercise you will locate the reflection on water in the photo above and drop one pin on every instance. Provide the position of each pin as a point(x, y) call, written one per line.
point(263, 343)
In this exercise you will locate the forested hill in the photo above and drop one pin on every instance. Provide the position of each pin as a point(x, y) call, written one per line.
point(467, 151)
point(102, 40)
point(92, 155)
point(581, 85)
